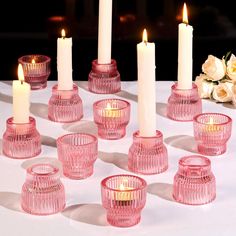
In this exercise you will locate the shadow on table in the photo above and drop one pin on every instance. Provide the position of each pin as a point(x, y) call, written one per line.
point(5, 98)
point(184, 142)
point(1, 146)
point(10, 201)
point(118, 159)
point(82, 126)
point(39, 110)
point(229, 105)
point(7, 82)
point(83, 85)
point(93, 214)
point(161, 190)
point(48, 141)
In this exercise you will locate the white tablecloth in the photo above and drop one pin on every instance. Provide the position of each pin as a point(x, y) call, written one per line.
point(84, 214)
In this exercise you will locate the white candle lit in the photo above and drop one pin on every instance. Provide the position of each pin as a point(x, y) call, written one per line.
point(104, 31)
point(64, 62)
point(21, 94)
point(146, 88)
point(185, 53)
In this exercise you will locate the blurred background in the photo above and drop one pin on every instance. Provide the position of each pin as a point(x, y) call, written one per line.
point(32, 27)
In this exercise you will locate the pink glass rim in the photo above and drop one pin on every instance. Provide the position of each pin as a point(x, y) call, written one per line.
point(10, 121)
point(27, 59)
point(61, 139)
point(122, 106)
point(103, 68)
point(202, 161)
point(143, 183)
point(55, 88)
point(175, 87)
point(196, 118)
point(158, 135)
point(32, 172)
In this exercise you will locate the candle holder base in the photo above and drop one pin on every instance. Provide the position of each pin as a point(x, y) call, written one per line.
point(65, 105)
point(21, 141)
point(211, 150)
point(111, 134)
point(104, 78)
point(148, 155)
point(183, 104)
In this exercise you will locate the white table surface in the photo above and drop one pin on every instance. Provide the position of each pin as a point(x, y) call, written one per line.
point(84, 214)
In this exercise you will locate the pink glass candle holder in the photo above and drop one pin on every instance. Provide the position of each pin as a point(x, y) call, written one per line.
point(65, 105)
point(183, 104)
point(77, 153)
point(211, 132)
point(36, 70)
point(21, 141)
point(104, 78)
point(194, 183)
point(124, 197)
point(111, 116)
point(148, 155)
point(43, 192)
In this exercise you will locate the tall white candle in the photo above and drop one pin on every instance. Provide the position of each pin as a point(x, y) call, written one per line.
point(104, 31)
point(21, 95)
point(185, 42)
point(146, 88)
point(64, 62)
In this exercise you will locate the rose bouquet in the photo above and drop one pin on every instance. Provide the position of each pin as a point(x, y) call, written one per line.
point(218, 80)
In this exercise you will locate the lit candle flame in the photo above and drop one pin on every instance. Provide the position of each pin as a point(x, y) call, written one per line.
point(108, 106)
point(63, 33)
point(122, 187)
point(21, 76)
point(211, 121)
point(185, 14)
point(145, 38)
point(33, 61)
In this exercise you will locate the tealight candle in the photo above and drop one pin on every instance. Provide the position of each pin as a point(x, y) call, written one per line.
point(211, 132)
point(124, 197)
point(111, 110)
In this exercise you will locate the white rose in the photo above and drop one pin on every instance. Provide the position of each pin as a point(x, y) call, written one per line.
point(223, 92)
point(234, 94)
point(214, 68)
point(231, 67)
point(205, 87)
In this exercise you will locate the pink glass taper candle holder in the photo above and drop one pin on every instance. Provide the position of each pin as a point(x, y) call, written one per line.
point(194, 182)
point(124, 197)
point(104, 78)
point(21, 140)
point(65, 105)
point(212, 132)
point(43, 192)
point(111, 116)
point(148, 155)
point(36, 70)
point(77, 153)
point(183, 104)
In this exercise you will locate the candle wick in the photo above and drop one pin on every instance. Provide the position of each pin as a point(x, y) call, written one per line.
point(21, 81)
point(145, 41)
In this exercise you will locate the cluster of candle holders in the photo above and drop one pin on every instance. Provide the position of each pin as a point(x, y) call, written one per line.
point(65, 105)
point(36, 70)
point(104, 78)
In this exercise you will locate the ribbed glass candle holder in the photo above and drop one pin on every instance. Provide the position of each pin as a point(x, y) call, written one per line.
point(77, 153)
point(124, 197)
point(43, 192)
point(194, 183)
point(36, 70)
point(104, 78)
point(111, 116)
point(65, 105)
point(21, 141)
point(148, 155)
point(183, 104)
point(211, 132)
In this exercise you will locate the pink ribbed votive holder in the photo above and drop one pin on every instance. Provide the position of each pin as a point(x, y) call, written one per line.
point(21, 140)
point(194, 183)
point(77, 153)
point(104, 78)
point(211, 132)
point(148, 155)
point(124, 197)
point(36, 70)
point(65, 105)
point(111, 116)
point(43, 192)
point(184, 104)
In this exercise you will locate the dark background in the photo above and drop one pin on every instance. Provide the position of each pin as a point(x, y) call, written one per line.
point(32, 27)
